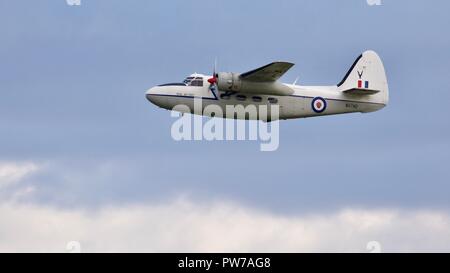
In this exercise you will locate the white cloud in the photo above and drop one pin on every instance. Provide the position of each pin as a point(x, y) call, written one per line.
point(184, 226)
point(12, 172)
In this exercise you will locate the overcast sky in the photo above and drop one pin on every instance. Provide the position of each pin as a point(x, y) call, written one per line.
point(80, 146)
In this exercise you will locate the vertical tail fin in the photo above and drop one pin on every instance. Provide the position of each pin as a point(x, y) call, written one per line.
point(366, 77)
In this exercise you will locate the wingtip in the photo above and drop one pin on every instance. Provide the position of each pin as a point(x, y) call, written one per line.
point(284, 62)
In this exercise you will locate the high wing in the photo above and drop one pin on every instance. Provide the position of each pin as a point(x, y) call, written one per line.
point(267, 73)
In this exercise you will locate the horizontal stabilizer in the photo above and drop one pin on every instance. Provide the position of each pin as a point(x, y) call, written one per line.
point(360, 91)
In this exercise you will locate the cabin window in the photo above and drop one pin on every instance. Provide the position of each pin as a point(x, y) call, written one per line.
point(241, 97)
point(272, 100)
point(257, 99)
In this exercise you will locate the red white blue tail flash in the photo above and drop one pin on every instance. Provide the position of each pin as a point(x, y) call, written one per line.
point(360, 84)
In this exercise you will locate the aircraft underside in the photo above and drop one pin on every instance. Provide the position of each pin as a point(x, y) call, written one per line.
point(262, 107)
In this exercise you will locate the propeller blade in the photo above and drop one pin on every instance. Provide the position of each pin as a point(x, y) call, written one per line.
point(213, 79)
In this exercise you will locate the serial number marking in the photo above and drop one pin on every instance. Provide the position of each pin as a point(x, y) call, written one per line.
point(352, 105)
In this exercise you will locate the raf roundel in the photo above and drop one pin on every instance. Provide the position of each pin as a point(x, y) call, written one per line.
point(318, 104)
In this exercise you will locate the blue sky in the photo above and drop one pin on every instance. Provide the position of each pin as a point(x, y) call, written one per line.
point(73, 79)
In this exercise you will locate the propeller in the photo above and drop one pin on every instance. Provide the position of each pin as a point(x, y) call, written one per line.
point(213, 80)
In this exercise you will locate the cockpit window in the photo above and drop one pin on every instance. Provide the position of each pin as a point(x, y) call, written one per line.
point(193, 81)
point(197, 83)
point(188, 80)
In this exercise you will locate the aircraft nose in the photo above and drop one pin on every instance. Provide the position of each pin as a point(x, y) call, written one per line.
point(150, 95)
point(150, 91)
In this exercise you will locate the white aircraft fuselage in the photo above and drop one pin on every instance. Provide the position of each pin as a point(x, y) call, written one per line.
point(363, 89)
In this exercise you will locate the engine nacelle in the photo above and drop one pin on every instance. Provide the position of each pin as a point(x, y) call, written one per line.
point(228, 81)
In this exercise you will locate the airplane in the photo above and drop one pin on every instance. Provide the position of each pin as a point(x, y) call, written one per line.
point(363, 89)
